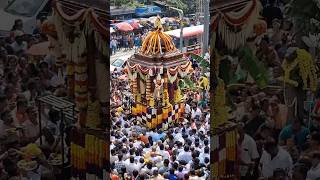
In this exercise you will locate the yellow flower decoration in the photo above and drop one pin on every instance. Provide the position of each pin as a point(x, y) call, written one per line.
point(307, 70)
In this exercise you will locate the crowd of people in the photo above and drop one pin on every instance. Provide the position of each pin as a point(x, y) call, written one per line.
point(271, 145)
point(23, 79)
point(278, 128)
point(180, 152)
point(125, 42)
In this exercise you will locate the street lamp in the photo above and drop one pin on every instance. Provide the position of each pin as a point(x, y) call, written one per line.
point(181, 25)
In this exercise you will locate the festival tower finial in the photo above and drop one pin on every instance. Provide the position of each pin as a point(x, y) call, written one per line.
point(157, 24)
point(157, 42)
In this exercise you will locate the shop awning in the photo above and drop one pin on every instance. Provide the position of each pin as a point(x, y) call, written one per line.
point(147, 11)
point(187, 31)
point(121, 11)
point(124, 26)
point(134, 23)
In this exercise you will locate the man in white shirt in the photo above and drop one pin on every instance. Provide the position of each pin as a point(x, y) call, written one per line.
point(248, 152)
point(185, 155)
point(119, 164)
point(196, 112)
point(31, 127)
point(19, 46)
point(165, 154)
point(140, 164)
point(187, 109)
point(274, 157)
point(205, 154)
point(113, 157)
point(137, 143)
point(178, 137)
point(131, 166)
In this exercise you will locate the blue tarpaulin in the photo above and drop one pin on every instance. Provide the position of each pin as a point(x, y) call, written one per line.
point(147, 11)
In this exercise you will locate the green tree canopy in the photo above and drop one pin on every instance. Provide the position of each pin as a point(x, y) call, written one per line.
point(306, 15)
point(181, 4)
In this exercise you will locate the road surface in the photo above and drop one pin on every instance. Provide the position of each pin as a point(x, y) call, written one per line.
point(122, 55)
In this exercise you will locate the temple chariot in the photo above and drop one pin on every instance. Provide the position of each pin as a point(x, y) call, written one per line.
point(154, 73)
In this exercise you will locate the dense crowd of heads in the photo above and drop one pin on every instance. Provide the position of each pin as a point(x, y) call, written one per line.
point(180, 152)
point(23, 78)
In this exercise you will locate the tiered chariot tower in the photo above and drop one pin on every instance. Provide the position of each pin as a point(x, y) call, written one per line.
point(154, 73)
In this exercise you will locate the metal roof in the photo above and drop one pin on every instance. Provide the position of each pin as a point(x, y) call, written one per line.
point(121, 11)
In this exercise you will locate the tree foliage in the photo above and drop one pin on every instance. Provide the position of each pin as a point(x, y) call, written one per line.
point(181, 4)
point(188, 6)
point(126, 3)
point(306, 15)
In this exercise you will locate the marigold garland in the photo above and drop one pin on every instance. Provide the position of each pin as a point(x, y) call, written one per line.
point(87, 151)
point(224, 153)
point(152, 43)
point(220, 113)
point(307, 70)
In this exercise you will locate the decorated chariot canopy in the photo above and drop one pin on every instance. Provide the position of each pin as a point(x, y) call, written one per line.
point(154, 72)
point(76, 20)
point(234, 21)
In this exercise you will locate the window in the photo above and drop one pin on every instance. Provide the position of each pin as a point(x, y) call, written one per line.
point(26, 8)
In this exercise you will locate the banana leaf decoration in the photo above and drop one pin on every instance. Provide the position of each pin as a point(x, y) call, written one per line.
point(182, 84)
point(186, 83)
point(189, 83)
point(229, 76)
point(255, 68)
point(205, 65)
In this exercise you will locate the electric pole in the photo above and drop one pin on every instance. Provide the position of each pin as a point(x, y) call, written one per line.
point(206, 26)
point(181, 25)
